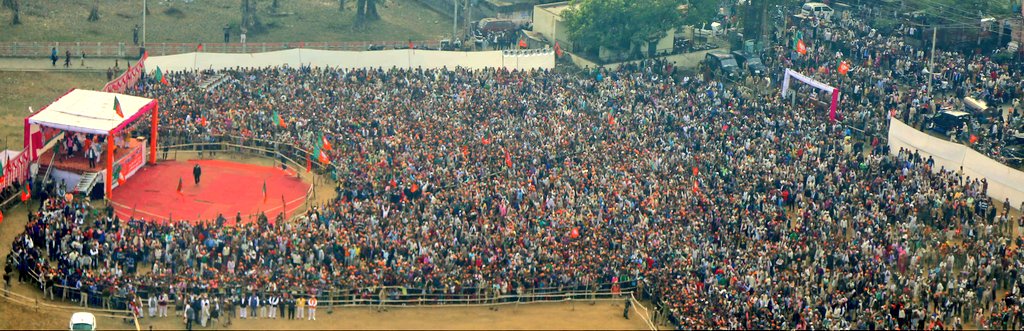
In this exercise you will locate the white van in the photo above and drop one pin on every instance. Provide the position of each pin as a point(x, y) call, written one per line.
point(817, 9)
point(82, 321)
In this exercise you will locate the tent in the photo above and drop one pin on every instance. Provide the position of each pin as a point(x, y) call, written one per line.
point(93, 112)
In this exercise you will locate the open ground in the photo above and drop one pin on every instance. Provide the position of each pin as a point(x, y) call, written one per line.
point(204, 20)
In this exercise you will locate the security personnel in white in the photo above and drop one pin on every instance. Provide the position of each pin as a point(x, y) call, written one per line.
point(273, 301)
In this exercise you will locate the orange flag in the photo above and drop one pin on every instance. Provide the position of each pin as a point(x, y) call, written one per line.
point(844, 68)
point(179, 186)
point(801, 47)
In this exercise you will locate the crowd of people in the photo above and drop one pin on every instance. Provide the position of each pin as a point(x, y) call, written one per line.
point(731, 208)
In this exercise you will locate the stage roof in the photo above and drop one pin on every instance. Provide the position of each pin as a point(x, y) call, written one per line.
point(90, 111)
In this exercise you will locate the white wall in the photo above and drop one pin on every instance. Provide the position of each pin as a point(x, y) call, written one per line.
point(352, 60)
point(1003, 182)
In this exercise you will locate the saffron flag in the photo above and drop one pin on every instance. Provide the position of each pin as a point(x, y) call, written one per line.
point(309, 164)
point(844, 67)
point(159, 75)
point(179, 185)
point(202, 121)
point(801, 47)
point(264, 191)
point(1, 216)
point(326, 143)
point(508, 157)
point(117, 107)
point(696, 187)
point(322, 157)
point(199, 48)
point(120, 176)
point(558, 50)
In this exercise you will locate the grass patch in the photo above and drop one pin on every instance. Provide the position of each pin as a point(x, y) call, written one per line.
point(203, 21)
point(36, 90)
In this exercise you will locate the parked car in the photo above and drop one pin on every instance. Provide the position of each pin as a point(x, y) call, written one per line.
point(816, 9)
point(82, 321)
point(1013, 149)
point(751, 62)
point(723, 62)
point(946, 121)
point(493, 25)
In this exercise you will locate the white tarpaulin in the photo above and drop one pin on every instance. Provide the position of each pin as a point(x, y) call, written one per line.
point(89, 111)
point(403, 58)
point(1003, 182)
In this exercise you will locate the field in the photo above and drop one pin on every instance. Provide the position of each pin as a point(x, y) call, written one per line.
point(203, 21)
point(22, 90)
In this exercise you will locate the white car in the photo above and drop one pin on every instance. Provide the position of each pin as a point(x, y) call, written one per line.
point(83, 321)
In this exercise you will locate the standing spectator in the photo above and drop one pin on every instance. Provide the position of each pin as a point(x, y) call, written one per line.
point(53, 56)
point(135, 35)
point(300, 307)
point(312, 307)
point(67, 58)
point(227, 33)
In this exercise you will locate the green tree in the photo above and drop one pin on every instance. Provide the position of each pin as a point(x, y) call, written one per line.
point(619, 25)
point(699, 12)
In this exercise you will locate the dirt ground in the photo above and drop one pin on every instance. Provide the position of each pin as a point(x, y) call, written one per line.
point(604, 315)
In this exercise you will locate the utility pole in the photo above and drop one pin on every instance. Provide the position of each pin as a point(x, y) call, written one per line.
point(143, 23)
point(931, 69)
point(455, 18)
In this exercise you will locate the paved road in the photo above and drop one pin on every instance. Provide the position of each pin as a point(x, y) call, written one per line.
point(43, 64)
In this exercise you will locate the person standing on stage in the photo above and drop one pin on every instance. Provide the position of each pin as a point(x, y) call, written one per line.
point(197, 172)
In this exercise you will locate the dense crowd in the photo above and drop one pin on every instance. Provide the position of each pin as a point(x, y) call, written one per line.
point(730, 208)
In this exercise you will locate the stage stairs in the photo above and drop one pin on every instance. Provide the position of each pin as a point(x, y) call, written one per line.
point(87, 182)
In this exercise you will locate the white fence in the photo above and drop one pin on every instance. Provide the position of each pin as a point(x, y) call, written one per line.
point(1003, 181)
point(401, 58)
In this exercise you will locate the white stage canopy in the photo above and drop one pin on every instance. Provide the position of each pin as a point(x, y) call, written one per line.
point(90, 112)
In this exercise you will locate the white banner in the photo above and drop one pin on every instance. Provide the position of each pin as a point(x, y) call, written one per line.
point(1003, 182)
point(402, 58)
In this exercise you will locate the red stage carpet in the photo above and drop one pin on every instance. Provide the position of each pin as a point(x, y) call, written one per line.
point(225, 188)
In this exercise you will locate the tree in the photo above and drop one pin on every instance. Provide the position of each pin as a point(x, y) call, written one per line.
point(249, 19)
point(341, 5)
point(366, 10)
point(619, 25)
point(94, 13)
point(700, 11)
point(16, 17)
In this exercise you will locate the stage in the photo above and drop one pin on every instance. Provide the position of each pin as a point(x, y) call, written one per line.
point(225, 188)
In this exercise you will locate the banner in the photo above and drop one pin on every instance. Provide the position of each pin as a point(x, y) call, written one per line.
point(16, 169)
point(816, 84)
point(128, 78)
point(131, 163)
point(1004, 182)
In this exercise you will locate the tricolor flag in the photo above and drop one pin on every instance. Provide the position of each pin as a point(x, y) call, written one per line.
point(844, 67)
point(801, 47)
point(26, 192)
point(278, 120)
point(117, 107)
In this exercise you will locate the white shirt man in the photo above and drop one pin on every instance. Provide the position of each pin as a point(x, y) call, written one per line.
point(273, 301)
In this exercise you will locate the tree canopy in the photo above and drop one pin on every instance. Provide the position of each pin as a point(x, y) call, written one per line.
point(619, 25)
